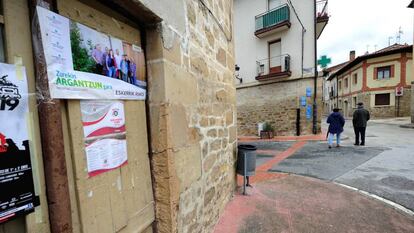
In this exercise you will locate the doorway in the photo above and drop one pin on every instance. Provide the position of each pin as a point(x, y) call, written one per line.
point(275, 51)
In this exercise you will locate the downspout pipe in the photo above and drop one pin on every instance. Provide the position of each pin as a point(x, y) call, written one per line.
point(315, 81)
point(51, 129)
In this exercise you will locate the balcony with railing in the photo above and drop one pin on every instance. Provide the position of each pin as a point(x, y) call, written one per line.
point(274, 20)
point(274, 67)
point(322, 16)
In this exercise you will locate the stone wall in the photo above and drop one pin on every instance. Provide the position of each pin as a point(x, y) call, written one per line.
point(384, 111)
point(192, 116)
point(412, 103)
point(276, 103)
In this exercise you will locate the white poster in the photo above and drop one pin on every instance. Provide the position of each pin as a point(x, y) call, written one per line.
point(106, 154)
point(17, 196)
point(14, 103)
point(105, 135)
point(83, 63)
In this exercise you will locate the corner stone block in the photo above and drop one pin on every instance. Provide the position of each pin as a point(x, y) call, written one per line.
point(180, 86)
point(221, 57)
point(208, 197)
point(232, 134)
point(229, 118)
point(179, 126)
point(173, 54)
point(156, 82)
point(221, 95)
point(198, 64)
point(188, 165)
point(159, 114)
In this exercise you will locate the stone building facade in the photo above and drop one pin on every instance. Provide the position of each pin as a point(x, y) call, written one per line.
point(411, 5)
point(276, 103)
point(276, 57)
point(412, 104)
point(373, 79)
point(181, 140)
point(194, 131)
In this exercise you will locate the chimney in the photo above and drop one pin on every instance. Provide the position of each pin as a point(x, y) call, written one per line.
point(352, 55)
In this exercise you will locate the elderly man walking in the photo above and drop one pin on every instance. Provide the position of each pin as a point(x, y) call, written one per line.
point(360, 118)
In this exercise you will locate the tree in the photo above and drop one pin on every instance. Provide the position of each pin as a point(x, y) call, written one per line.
point(81, 59)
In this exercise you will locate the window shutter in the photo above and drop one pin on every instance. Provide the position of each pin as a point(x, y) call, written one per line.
point(375, 73)
point(392, 71)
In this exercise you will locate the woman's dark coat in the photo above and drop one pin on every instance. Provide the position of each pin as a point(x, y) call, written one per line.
point(336, 123)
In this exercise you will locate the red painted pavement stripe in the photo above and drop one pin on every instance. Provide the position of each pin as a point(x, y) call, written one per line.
point(262, 173)
point(277, 159)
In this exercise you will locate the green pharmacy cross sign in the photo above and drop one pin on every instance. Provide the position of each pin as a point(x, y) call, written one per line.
point(324, 61)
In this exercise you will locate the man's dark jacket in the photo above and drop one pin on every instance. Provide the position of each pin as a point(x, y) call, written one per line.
point(360, 118)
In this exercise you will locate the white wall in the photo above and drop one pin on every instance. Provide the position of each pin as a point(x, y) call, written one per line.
point(249, 48)
point(326, 89)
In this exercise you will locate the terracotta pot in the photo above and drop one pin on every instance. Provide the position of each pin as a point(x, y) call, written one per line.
point(266, 134)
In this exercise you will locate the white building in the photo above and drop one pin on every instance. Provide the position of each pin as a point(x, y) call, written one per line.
point(275, 47)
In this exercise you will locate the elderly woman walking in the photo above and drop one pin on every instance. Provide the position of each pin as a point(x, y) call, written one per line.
point(336, 126)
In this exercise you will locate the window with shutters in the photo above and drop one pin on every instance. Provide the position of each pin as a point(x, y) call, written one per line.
point(355, 79)
point(354, 102)
point(383, 73)
point(382, 99)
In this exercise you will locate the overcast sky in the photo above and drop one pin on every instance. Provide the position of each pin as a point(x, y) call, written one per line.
point(354, 24)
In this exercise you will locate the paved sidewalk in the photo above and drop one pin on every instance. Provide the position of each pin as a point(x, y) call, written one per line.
point(299, 204)
point(280, 202)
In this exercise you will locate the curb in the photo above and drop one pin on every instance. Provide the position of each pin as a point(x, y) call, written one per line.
point(385, 201)
point(409, 126)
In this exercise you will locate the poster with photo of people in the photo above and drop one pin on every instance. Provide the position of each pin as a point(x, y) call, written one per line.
point(98, 53)
point(83, 63)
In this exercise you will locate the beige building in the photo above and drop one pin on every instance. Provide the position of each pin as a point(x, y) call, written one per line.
point(180, 142)
point(275, 47)
point(329, 86)
point(381, 80)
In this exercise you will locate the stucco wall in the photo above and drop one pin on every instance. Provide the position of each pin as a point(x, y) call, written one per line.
point(250, 49)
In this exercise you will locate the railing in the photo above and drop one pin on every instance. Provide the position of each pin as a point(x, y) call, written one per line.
point(274, 65)
point(322, 9)
point(273, 17)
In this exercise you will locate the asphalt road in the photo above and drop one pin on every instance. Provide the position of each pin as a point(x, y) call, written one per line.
point(385, 166)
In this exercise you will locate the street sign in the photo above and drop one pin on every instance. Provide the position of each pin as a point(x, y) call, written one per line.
point(399, 91)
point(303, 101)
point(308, 92)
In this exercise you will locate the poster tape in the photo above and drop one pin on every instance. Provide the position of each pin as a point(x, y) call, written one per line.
point(18, 61)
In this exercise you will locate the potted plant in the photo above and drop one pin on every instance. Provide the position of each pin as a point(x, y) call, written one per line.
point(267, 132)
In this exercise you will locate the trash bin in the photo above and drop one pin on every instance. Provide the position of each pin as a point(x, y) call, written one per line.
point(248, 152)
